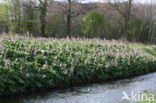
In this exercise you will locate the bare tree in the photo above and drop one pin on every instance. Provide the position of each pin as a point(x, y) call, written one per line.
point(15, 12)
point(42, 6)
point(43, 12)
point(125, 9)
point(28, 9)
point(147, 12)
point(71, 8)
point(69, 18)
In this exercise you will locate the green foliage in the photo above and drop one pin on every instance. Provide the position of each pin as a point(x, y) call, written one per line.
point(15, 16)
point(29, 20)
point(3, 12)
point(4, 19)
point(150, 49)
point(54, 28)
point(148, 94)
point(93, 23)
point(135, 28)
point(28, 65)
point(139, 30)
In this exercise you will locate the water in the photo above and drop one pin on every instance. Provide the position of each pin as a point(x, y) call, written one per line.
point(109, 92)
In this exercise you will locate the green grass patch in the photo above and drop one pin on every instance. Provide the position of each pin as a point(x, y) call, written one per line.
point(147, 96)
point(151, 49)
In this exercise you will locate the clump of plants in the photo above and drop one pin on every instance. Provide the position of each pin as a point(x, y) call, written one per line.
point(29, 65)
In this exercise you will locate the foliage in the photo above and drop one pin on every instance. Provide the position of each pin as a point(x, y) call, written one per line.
point(148, 94)
point(3, 12)
point(93, 23)
point(139, 30)
point(151, 49)
point(92, 20)
point(3, 17)
point(135, 28)
point(29, 65)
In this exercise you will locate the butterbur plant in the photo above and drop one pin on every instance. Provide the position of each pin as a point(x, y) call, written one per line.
point(29, 65)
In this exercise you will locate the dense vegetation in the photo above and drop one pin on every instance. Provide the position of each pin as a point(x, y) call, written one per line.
point(28, 65)
point(130, 20)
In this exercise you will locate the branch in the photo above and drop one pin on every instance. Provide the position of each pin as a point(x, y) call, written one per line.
point(29, 5)
point(77, 14)
point(41, 1)
point(117, 7)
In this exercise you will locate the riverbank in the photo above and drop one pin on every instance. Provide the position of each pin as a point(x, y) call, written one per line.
point(31, 65)
point(107, 92)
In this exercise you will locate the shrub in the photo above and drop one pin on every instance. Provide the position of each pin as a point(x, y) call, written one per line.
point(93, 23)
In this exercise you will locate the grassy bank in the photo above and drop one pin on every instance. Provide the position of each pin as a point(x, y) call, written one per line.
point(29, 65)
point(147, 97)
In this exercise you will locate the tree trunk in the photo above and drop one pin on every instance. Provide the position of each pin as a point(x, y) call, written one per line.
point(43, 15)
point(69, 19)
point(126, 29)
point(43, 22)
point(19, 22)
point(127, 18)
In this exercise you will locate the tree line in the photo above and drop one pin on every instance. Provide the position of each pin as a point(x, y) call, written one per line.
point(113, 19)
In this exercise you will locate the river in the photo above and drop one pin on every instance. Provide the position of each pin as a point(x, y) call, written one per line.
point(108, 92)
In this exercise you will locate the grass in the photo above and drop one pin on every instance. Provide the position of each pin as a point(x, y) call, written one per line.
point(148, 94)
point(151, 49)
point(147, 102)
